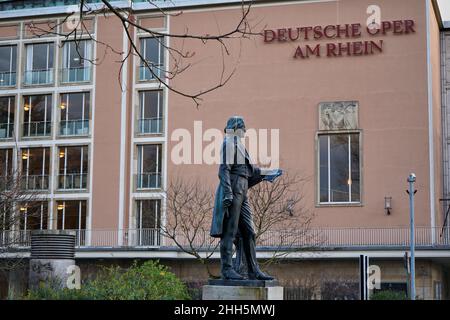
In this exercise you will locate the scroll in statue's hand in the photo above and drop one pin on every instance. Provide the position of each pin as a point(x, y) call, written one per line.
point(271, 174)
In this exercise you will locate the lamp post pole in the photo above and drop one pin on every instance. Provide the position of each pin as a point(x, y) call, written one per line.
point(411, 192)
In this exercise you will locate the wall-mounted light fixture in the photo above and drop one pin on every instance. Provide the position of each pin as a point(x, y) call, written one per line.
point(388, 205)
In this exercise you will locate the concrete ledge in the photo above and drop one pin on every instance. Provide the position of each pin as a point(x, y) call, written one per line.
point(241, 293)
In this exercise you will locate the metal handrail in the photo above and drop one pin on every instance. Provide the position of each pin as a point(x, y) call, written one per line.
point(6, 130)
point(78, 74)
point(38, 76)
point(72, 181)
point(37, 128)
point(74, 127)
point(7, 79)
point(314, 238)
point(148, 180)
point(35, 182)
point(150, 125)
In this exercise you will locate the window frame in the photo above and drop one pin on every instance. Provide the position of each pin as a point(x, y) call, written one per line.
point(65, 61)
point(160, 68)
point(12, 101)
point(27, 61)
point(141, 111)
point(361, 167)
point(11, 71)
point(159, 165)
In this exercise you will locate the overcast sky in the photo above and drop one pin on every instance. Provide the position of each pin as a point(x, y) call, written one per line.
point(445, 9)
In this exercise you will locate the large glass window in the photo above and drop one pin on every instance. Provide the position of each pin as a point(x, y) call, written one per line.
point(35, 168)
point(71, 215)
point(152, 49)
point(74, 111)
point(149, 166)
point(148, 222)
point(8, 63)
point(76, 61)
point(73, 167)
point(37, 115)
point(6, 168)
point(33, 215)
point(6, 117)
point(150, 111)
point(39, 63)
point(339, 168)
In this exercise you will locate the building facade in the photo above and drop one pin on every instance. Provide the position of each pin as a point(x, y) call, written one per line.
point(353, 110)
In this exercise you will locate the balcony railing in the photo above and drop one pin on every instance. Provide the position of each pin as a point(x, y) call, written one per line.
point(146, 75)
point(6, 130)
point(37, 128)
point(81, 74)
point(150, 125)
point(74, 128)
point(148, 180)
point(313, 239)
point(38, 77)
point(72, 181)
point(7, 79)
point(35, 182)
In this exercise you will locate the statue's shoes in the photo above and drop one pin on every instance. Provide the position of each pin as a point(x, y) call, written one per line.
point(259, 275)
point(232, 275)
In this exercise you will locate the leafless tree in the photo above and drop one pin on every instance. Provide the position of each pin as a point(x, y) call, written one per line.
point(189, 213)
point(281, 216)
point(282, 222)
point(15, 200)
point(181, 58)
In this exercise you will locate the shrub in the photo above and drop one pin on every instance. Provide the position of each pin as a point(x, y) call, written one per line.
point(388, 295)
point(149, 281)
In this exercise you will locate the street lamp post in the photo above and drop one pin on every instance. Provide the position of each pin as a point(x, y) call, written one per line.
point(411, 192)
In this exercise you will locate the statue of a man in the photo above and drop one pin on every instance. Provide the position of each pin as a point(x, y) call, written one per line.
point(232, 210)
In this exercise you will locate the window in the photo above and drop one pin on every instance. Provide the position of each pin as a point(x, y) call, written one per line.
point(6, 117)
point(149, 166)
point(35, 168)
point(148, 222)
point(339, 168)
point(33, 216)
point(150, 111)
point(152, 50)
point(39, 64)
point(37, 115)
point(6, 168)
point(74, 114)
point(71, 215)
point(73, 167)
point(8, 63)
point(76, 61)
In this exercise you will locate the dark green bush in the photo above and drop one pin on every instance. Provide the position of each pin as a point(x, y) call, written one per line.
point(388, 295)
point(149, 281)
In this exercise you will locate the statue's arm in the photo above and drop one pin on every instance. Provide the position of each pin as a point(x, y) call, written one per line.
point(224, 175)
point(255, 178)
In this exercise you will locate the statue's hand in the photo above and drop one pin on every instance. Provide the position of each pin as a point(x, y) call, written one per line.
point(227, 200)
point(273, 175)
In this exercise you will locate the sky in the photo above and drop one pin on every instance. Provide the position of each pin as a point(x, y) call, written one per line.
point(445, 9)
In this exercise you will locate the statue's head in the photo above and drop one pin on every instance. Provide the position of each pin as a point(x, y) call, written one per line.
point(235, 125)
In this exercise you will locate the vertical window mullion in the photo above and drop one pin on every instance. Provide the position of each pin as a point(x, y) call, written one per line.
point(79, 216)
point(29, 115)
point(349, 180)
point(81, 166)
point(41, 216)
point(329, 168)
point(64, 216)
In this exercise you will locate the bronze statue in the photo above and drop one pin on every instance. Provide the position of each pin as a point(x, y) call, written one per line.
point(232, 214)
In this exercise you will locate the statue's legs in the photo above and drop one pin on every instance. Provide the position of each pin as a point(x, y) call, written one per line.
point(248, 243)
point(230, 227)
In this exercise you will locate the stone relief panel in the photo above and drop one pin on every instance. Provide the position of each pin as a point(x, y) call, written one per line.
point(340, 115)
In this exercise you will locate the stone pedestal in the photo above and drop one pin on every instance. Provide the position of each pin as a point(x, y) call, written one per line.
point(242, 290)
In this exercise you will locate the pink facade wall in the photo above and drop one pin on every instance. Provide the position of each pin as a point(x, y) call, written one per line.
point(273, 90)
